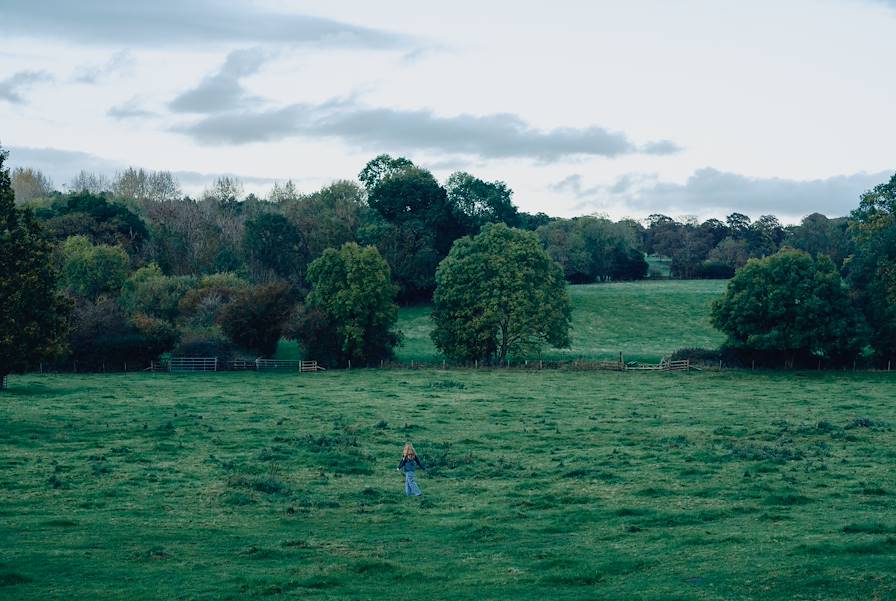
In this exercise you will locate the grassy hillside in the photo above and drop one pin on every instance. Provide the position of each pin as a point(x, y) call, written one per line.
point(645, 320)
point(541, 485)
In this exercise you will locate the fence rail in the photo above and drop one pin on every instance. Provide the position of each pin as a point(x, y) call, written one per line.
point(191, 364)
point(307, 366)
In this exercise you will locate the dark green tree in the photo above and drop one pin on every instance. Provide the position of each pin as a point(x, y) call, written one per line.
point(480, 202)
point(789, 306)
point(256, 319)
point(872, 269)
point(350, 312)
point(498, 294)
point(273, 243)
point(33, 315)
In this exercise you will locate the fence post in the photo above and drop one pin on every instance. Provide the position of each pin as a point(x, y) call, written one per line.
point(753, 365)
point(540, 364)
point(76, 366)
point(476, 364)
point(888, 365)
point(349, 363)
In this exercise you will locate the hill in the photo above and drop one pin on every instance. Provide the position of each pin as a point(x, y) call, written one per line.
point(644, 320)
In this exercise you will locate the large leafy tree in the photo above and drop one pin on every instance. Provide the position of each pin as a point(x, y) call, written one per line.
point(33, 316)
point(498, 294)
point(790, 306)
point(872, 270)
point(416, 221)
point(350, 312)
point(257, 317)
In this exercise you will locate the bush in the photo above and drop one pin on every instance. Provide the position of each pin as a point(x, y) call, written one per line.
point(256, 319)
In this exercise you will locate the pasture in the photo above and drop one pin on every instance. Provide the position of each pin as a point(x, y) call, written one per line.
point(646, 320)
point(541, 485)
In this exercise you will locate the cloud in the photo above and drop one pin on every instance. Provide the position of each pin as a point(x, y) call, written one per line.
point(712, 192)
point(130, 109)
point(398, 130)
point(119, 64)
point(11, 87)
point(222, 90)
point(165, 22)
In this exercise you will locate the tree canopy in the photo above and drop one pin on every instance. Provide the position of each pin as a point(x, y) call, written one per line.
point(499, 294)
point(33, 314)
point(789, 305)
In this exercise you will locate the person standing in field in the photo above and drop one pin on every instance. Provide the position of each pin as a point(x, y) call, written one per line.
point(410, 463)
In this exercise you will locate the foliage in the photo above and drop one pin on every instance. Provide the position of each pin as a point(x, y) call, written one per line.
point(150, 292)
point(329, 217)
point(593, 249)
point(872, 271)
point(33, 315)
point(89, 270)
point(273, 243)
point(98, 218)
point(419, 224)
point(102, 331)
point(792, 306)
point(499, 293)
point(350, 311)
point(256, 319)
point(30, 185)
point(480, 202)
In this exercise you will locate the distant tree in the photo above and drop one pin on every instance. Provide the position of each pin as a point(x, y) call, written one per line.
point(329, 217)
point(730, 252)
point(738, 225)
point(381, 167)
point(256, 319)
point(872, 269)
point(33, 315)
point(226, 192)
point(94, 216)
point(480, 202)
point(499, 294)
point(273, 243)
point(764, 236)
point(532, 221)
point(202, 303)
point(283, 192)
point(789, 306)
point(150, 292)
point(139, 184)
point(350, 312)
point(30, 185)
point(418, 223)
point(818, 235)
point(89, 183)
point(89, 270)
point(627, 264)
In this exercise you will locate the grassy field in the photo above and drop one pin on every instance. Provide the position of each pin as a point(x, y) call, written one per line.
point(541, 485)
point(644, 320)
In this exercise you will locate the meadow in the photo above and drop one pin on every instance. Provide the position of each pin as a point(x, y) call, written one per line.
point(645, 320)
point(547, 484)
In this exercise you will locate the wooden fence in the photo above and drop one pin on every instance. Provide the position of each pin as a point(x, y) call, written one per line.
point(306, 366)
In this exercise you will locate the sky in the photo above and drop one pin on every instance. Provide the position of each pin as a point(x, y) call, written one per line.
point(688, 108)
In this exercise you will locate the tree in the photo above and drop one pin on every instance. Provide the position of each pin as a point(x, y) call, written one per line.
point(256, 318)
point(139, 184)
point(150, 292)
point(872, 270)
point(273, 243)
point(350, 311)
point(33, 315)
point(423, 221)
point(94, 216)
point(792, 307)
point(818, 235)
point(498, 294)
point(329, 217)
point(89, 183)
point(88, 270)
point(480, 202)
point(30, 184)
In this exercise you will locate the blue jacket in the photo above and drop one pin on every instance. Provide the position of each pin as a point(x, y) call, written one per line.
point(409, 465)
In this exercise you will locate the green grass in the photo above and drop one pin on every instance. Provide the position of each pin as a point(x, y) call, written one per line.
point(542, 485)
point(644, 320)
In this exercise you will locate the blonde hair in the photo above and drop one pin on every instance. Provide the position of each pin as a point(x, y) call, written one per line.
point(409, 452)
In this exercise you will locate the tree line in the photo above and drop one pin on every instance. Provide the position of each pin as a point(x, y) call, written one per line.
point(135, 268)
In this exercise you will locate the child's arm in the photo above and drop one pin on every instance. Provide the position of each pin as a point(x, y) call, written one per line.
point(417, 461)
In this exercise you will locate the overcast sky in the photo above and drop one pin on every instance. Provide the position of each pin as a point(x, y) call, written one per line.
point(685, 108)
